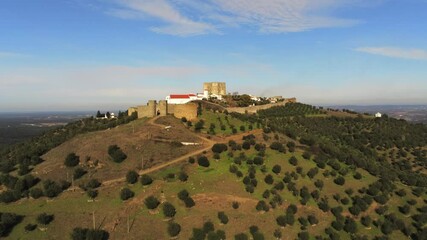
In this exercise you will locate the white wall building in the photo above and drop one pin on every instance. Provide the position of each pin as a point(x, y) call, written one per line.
point(181, 98)
point(378, 115)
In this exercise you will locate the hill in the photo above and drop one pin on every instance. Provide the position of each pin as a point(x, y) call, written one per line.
point(290, 172)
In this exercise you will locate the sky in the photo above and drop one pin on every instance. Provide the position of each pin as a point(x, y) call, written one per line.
point(112, 54)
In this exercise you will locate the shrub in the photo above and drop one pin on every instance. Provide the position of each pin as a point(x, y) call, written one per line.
point(146, 180)
point(262, 206)
point(116, 154)
point(318, 183)
point(366, 221)
point(85, 233)
point(151, 202)
point(276, 169)
point(30, 227)
point(292, 209)
point(258, 160)
point(78, 173)
point(132, 177)
point(269, 179)
point(222, 217)
point(405, 209)
point(51, 188)
point(93, 183)
point(189, 202)
point(44, 218)
point(183, 177)
point(246, 145)
point(72, 160)
point(241, 236)
point(208, 227)
point(312, 219)
point(219, 148)
point(126, 193)
point(169, 210)
point(293, 160)
point(7, 222)
point(36, 193)
point(174, 229)
point(303, 236)
point(203, 161)
point(277, 146)
point(191, 160)
point(357, 176)
point(92, 193)
point(306, 155)
point(235, 205)
point(183, 194)
point(281, 220)
point(350, 226)
point(339, 181)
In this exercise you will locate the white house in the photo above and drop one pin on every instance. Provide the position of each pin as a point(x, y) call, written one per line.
point(181, 98)
point(378, 115)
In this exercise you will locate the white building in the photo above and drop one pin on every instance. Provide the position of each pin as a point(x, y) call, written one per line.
point(181, 98)
point(378, 115)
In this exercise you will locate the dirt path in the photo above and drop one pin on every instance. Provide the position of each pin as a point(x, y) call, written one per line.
point(208, 143)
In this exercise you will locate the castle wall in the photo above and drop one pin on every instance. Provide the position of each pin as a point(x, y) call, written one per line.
point(254, 109)
point(148, 110)
point(162, 108)
point(189, 111)
point(132, 110)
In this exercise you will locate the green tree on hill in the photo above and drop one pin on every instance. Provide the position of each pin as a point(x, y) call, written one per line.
point(132, 177)
point(116, 154)
point(126, 193)
point(169, 210)
point(72, 160)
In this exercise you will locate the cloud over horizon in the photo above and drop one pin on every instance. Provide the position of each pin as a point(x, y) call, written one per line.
point(191, 17)
point(405, 53)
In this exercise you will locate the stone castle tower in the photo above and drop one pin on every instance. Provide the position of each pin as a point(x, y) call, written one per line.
point(215, 88)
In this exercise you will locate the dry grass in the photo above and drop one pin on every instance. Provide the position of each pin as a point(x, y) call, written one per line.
point(140, 141)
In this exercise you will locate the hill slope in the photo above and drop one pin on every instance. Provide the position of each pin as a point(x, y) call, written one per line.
point(305, 175)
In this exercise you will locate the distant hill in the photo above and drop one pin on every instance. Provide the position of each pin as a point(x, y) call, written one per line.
point(411, 113)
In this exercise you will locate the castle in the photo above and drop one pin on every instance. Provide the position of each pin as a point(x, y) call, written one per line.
point(162, 108)
point(179, 105)
point(182, 105)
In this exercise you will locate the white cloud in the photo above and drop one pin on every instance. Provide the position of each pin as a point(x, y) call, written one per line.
point(276, 16)
point(194, 17)
point(417, 54)
point(176, 23)
point(12, 55)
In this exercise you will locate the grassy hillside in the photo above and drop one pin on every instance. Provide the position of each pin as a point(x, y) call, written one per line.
point(138, 140)
point(302, 177)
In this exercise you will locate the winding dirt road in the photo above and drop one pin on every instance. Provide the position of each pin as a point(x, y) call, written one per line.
point(208, 143)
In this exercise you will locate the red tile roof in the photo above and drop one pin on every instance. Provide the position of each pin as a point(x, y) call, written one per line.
point(180, 96)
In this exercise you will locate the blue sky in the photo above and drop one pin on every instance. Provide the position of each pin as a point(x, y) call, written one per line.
point(110, 54)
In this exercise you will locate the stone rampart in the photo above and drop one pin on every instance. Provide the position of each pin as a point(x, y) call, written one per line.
point(189, 111)
point(254, 109)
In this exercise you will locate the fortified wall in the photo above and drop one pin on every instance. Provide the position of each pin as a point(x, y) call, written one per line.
point(162, 108)
point(254, 109)
point(189, 111)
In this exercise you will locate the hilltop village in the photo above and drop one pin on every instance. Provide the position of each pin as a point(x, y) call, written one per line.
point(185, 105)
